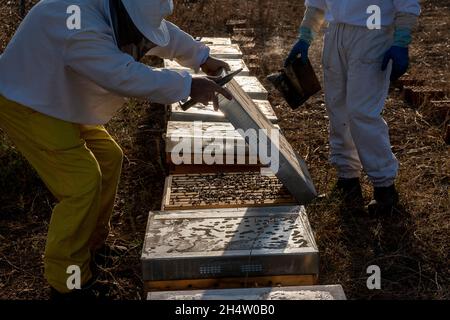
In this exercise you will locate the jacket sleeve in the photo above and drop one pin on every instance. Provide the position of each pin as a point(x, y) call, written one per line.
point(96, 56)
point(313, 19)
point(183, 48)
point(319, 4)
point(407, 6)
point(406, 19)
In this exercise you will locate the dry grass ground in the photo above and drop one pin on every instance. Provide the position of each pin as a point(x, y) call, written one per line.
point(412, 249)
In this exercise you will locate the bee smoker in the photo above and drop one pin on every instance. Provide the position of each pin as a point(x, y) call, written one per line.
point(297, 83)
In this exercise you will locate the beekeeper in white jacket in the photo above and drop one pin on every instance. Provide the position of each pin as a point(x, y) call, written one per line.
point(60, 81)
point(360, 58)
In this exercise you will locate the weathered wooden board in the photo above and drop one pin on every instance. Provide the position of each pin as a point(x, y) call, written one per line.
point(333, 292)
point(216, 41)
point(221, 135)
point(229, 52)
point(185, 138)
point(204, 113)
point(224, 190)
point(293, 172)
point(229, 243)
point(235, 64)
point(252, 87)
point(242, 39)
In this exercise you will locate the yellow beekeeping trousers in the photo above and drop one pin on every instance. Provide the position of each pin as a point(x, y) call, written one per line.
point(81, 166)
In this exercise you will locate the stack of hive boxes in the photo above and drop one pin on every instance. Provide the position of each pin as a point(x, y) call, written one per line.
point(231, 224)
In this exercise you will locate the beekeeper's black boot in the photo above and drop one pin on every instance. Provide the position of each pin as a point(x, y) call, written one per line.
point(350, 191)
point(385, 201)
point(105, 256)
point(92, 291)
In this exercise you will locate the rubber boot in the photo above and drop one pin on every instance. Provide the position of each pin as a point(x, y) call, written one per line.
point(350, 191)
point(385, 201)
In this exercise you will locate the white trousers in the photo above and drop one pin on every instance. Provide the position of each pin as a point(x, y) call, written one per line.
point(355, 92)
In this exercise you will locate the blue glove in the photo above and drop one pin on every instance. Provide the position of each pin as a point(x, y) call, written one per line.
point(400, 58)
point(398, 53)
point(300, 48)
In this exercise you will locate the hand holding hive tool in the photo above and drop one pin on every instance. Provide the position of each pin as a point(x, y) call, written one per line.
point(297, 82)
point(221, 81)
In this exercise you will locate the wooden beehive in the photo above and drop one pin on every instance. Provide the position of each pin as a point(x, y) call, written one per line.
point(215, 41)
point(235, 64)
point(224, 190)
point(252, 87)
point(418, 96)
point(202, 142)
point(226, 52)
point(229, 247)
point(408, 82)
point(200, 112)
point(235, 23)
point(437, 111)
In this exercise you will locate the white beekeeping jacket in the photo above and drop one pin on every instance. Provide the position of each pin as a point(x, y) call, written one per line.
point(81, 76)
point(354, 12)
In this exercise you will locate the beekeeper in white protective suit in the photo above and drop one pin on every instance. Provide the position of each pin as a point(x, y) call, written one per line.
point(359, 61)
point(60, 81)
